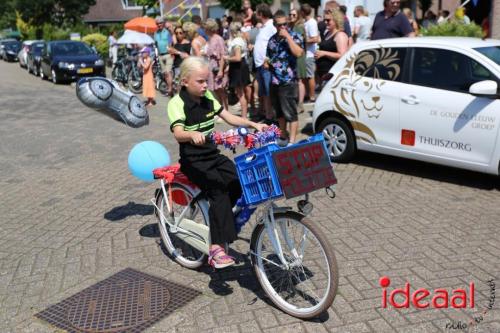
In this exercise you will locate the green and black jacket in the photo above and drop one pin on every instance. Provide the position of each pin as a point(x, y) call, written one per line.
point(183, 111)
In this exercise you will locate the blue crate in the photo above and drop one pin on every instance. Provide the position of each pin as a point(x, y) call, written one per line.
point(258, 176)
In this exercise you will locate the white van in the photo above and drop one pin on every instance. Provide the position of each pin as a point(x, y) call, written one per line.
point(434, 99)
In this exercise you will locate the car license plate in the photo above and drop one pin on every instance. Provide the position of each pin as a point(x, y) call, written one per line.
point(85, 70)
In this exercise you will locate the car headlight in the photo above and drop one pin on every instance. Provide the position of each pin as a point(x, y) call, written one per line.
point(11, 52)
point(99, 62)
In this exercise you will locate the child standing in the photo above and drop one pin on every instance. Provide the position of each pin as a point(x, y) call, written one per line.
point(148, 83)
point(191, 114)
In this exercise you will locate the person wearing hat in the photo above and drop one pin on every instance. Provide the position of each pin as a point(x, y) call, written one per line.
point(163, 40)
point(148, 84)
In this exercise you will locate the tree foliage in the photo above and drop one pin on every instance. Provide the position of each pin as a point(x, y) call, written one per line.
point(99, 41)
point(40, 12)
point(7, 14)
point(454, 28)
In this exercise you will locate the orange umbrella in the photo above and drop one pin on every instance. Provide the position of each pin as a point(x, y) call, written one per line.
point(142, 24)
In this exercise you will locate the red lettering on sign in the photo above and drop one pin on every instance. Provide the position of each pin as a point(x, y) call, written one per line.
point(303, 169)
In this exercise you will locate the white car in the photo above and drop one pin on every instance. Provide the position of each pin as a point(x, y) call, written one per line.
point(434, 99)
point(23, 53)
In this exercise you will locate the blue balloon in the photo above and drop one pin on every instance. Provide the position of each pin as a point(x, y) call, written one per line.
point(145, 157)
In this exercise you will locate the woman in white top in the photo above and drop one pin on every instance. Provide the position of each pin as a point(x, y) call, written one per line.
point(239, 75)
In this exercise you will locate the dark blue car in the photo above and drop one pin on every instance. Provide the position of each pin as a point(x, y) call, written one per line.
point(69, 60)
point(10, 49)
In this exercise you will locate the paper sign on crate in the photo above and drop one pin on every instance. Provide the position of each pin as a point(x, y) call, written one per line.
point(303, 168)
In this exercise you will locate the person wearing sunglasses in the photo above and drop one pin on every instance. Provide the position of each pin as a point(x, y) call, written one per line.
point(333, 45)
point(391, 22)
point(163, 40)
point(283, 49)
point(180, 51)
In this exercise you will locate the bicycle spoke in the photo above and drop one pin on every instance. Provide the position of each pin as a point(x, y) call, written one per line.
point(304, 282)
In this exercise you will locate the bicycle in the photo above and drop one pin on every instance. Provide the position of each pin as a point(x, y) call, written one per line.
point(299, 277)
point(159, 76)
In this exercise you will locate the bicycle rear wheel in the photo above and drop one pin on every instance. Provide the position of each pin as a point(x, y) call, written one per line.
point(308, 286)
point(134, 81)
point(179, 250)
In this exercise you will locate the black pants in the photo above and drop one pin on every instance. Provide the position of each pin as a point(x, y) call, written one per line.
point(284, 100)
point(217, 177)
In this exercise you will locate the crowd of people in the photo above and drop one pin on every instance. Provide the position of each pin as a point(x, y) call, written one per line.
point(276, 59)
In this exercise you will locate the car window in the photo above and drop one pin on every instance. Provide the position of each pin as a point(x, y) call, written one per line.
point(381, 63)
point(71, 49)
point(492, 52)
point(445, 69)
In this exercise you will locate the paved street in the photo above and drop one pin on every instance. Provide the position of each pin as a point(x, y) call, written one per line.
point(72, 215)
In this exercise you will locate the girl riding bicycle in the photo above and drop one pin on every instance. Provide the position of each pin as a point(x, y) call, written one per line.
point(191, 114)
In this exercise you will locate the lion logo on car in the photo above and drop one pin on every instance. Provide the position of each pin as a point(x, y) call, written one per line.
point(371, 64)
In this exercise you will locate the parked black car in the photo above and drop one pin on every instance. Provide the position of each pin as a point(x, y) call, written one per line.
point(10, 49)
point(69, 60)
point(34, 57)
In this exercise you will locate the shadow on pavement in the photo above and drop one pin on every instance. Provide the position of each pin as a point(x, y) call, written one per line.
point(428, 170)
point(130, 209)
point(242, 273)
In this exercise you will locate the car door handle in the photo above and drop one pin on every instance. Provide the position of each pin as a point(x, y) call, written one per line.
point(411, 100)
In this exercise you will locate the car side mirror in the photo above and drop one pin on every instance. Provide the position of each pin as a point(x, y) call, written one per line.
point(486, 88)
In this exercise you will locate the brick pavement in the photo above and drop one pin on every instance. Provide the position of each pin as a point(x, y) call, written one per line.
point(72, 215)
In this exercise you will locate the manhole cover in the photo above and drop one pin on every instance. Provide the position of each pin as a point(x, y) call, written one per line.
point(128, 301)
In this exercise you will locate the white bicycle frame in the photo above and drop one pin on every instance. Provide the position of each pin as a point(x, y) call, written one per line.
point(198, 235)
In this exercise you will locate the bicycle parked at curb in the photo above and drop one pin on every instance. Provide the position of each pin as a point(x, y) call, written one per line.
point(126, 71)
point(159, 76)
point(292, 259)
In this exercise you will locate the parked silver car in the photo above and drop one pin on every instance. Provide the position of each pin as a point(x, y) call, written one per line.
point(23, 53)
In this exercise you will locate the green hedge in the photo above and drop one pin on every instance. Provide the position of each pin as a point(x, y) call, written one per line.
point(100, 42)
point(454, 28)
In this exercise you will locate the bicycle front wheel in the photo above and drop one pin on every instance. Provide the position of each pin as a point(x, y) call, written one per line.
point(306, 286)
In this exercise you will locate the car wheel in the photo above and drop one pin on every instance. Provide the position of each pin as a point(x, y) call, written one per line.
point(54, 77)
point(42, 75)
point(339, 139)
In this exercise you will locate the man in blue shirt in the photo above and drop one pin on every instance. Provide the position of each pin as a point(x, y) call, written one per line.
point(196, 19)
point(283, 49)
point(163, 40)
point(391, 22)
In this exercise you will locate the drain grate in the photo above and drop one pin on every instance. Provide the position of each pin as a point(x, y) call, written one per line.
point(128, 301)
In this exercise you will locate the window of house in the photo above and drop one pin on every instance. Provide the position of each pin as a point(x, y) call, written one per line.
point(127, 4)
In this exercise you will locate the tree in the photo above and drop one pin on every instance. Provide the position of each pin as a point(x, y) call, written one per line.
point(59, 12)
point(147, 4)
point(8, 14)
point(424, 5)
